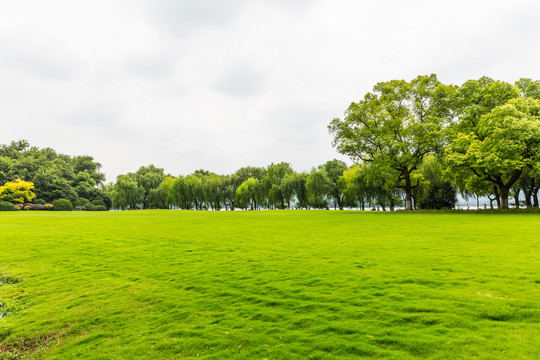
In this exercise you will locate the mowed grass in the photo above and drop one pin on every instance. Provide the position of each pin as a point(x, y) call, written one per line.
point(270, 285)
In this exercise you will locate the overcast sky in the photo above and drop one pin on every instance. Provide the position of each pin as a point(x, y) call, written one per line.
point(218, 85)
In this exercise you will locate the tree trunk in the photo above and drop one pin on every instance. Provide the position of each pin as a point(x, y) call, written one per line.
point(477, 202)
point(497, 196)
point(408, 193)
point(535, 198)
point(516, 197)
point(503, 202)
point(528, 198)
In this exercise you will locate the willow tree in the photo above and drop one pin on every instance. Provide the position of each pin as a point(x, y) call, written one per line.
point(395, 126)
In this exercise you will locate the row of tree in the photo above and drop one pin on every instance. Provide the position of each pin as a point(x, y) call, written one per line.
point(52, 175)
point(419, 142)
point(484, 134)
point(276, 186)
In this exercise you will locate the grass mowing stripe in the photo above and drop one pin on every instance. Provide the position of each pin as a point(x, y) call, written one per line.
point(271, 284)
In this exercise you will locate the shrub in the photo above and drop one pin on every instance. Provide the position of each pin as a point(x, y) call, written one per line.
point(98, 202)
point(90, 207)
point(79, 208)
point(81, 202)
point(62, 205)
point(18, 206)
point(37, 207)
point(39, 201)
point(101, 208)
point(27, 207)
point(6, 206)
point(48, 206)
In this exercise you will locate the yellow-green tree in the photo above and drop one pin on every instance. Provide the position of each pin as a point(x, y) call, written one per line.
point(18, 191)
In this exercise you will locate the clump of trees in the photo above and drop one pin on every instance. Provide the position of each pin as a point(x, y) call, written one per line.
point(414, 143)
point(34, 176)
point(426, 139)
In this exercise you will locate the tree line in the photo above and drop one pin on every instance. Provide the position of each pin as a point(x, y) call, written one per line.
point(484, 136)
point(415, 144)
point(35, 176)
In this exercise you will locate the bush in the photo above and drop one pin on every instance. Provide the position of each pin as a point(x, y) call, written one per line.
point(39, 201)
point(99, 203)
point(81, 202)
point(48, 206)
point(90, 207)
point(37, 207)
point(101, 208)
point(6, 206)
point(18, 206)
point(62, 205)
point(79, 208)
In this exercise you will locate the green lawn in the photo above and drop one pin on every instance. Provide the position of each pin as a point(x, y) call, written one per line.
point(269, 285)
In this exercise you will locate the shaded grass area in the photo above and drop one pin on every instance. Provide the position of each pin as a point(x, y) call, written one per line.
point(270, 284)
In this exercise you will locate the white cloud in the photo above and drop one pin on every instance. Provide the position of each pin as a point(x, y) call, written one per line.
point(218, 85)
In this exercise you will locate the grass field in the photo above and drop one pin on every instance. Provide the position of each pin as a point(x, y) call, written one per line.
point(269, 285)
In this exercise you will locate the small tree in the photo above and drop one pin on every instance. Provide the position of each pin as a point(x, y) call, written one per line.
point(18, 191)
point(62, 205)
point(318, 187)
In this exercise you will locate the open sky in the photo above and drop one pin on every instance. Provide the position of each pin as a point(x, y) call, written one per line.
point(214, 84)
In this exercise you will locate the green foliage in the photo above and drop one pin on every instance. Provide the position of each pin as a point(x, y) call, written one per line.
point(101, 208)
point(251, 193)
point(126, 193)
point(334, 169)
point(149, 178)
point(271, 182)
point(99, 203)
point(62, 205)
point(54, 175)
point(90, 207)
point(39, 201)
point(500, 146)
point(395, 126)
point(318, 187)
point(6, 206)
point(354, 186)
point(438, 193)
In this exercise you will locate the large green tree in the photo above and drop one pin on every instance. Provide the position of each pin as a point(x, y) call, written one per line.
point(504, 143)
point(395, 126)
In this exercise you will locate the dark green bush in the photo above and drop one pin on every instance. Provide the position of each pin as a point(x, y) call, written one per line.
point(39, 201)
point(90, 207)
point(62, 205)
point(81, 202)
point(99, 203)
point(6, 206)
point(101, 208)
